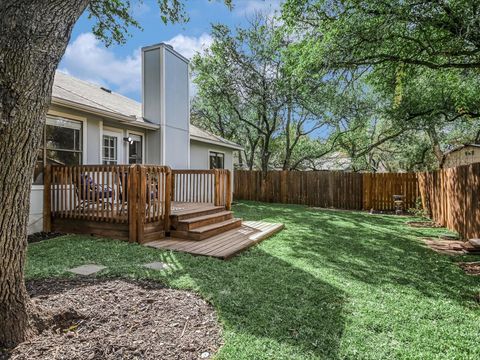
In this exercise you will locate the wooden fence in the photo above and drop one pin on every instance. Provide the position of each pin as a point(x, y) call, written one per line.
point(452, 196)
point(379, 188)
point(329, 189)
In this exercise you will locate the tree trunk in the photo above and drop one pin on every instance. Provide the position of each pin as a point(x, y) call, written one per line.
point(432, 134)
point(33, 38)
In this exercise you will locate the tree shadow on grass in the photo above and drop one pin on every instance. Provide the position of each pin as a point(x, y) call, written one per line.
point(371, 248)
point(282, 311)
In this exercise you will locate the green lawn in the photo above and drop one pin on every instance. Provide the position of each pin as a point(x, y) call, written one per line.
point(333, 284)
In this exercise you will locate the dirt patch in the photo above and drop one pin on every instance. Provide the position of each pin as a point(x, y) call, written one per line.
point(40, 236)
point(471, 268)
point(119, 319)
point(422, 224)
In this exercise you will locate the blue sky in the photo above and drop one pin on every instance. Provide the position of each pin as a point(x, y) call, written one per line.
point(118, 67)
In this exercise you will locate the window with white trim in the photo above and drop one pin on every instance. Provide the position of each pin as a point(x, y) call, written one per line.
point(62, 144)
point(217, 160)
point(109, 150)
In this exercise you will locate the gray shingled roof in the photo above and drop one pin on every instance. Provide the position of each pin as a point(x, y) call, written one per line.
point(70, 90)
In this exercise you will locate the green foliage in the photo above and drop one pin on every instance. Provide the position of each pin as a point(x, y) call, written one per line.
point(248, 93)
point(113, 18)
point(418, 210)
point(433, 34)
point(331, 285)
point(419, 60)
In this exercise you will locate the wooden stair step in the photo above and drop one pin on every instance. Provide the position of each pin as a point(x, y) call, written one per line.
point(207, 231)
point(222, 224)
point(200, 221)
point(188, 214)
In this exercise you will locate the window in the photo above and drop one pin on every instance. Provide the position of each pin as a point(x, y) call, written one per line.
point(110, 154)
point(217, 160)
point(135, 155)
point(61, 145)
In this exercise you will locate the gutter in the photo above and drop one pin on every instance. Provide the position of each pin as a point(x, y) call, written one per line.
point(218, 143)
point(123, 119)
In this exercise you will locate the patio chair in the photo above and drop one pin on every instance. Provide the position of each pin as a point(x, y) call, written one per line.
point(123, 196)
point(88, 192)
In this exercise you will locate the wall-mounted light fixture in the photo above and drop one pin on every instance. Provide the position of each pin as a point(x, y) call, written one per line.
point(128, 139)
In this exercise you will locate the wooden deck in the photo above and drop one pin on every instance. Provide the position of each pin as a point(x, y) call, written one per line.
point(146, 203)
point(224, 245)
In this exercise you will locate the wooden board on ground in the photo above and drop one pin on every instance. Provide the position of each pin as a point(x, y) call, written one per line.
point(224, 245)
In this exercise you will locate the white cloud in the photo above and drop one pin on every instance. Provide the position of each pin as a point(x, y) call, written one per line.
point(87, 59)
point(189, 45)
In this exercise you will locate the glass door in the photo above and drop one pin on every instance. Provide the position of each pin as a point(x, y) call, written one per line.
point(112, 148)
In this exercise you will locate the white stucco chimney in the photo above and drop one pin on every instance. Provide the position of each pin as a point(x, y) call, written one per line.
point(165, 101)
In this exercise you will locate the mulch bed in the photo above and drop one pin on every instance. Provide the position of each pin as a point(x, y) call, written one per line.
point(120, 319)
point(471, 268)
point(422, 224)
point(40, 236)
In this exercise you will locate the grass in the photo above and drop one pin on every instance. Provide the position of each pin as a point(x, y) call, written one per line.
point(332, 285)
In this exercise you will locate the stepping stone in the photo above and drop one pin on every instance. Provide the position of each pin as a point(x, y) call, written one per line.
point(156, 266)
point(87, 269)
point(448, 237)
point(475, 243)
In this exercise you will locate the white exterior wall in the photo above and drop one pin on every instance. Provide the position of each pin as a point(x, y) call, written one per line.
point(35, 219)
point(199, 156)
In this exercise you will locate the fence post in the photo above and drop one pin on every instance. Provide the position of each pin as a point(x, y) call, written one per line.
point(169, 188)
point(283, 186)
point(367, 196)
point(47, 199)
point(132, 203)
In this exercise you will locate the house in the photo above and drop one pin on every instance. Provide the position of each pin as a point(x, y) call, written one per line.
point(335, 161)
point(462, 155)
point(90, 124)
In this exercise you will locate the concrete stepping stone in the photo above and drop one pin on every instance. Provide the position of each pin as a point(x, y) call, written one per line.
point(87, 269)
point(475, 243)
point(156, 266)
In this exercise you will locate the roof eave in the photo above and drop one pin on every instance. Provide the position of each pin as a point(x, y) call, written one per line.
point(127, 120)
point(218, 143)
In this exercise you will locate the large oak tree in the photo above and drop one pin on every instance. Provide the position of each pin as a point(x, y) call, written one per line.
point(33, 37)
point(420, 57)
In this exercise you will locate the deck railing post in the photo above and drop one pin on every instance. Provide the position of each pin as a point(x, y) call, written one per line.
point(228, 202)
point(169, 186)
point(216, 200)
point(172, 187)
point(141, 202)
point(47, 199)
point(132, 203)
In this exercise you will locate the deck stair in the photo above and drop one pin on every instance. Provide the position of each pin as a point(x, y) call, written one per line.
point(202, 223)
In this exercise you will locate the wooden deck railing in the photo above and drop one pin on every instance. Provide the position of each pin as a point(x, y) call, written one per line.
point(124, 194)
point(138, 197)
point(203, 186)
